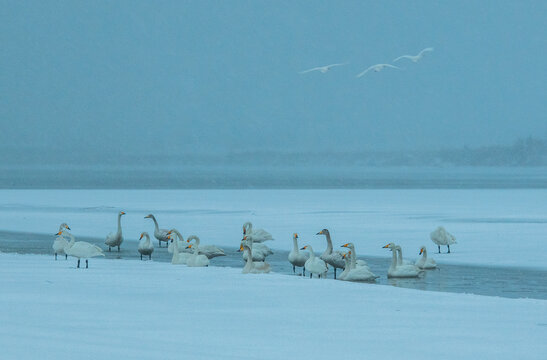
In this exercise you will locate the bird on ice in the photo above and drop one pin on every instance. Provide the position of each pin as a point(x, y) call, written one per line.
point(378, 68)
point(322, 69)
point(414, 58)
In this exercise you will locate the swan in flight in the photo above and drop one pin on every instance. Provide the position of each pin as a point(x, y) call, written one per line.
point(60, 242)
point(146, 247)
point(315, 265)
point(211, 251)
point(259, 250)
point(196, 259)
point(377, 68)
point(442, 237)
point(415, 58)
point(115, 239)
point(160, 234)
point(296, 258)
point(259, 235)
point(424, 262)
point(179, 257)
point(80, 249)
point(400, 271)
point(252, 267)
point(332, 258)
point(322, 69)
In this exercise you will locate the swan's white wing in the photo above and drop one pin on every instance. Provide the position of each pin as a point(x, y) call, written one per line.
point(425, 50)
point(404, 57)
point(310, 70)
point(260, 235)
point(333, 65)
point(367, 70)
point(391, 66)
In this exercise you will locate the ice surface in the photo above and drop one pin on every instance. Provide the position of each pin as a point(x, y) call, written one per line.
point(147, 310)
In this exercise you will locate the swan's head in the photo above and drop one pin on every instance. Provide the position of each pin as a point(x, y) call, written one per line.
point(149, 216)
point(246, 226)
point(323, 232)
point(295, 235)
point(390, 246)
point(121, 213)
point(345, 245)
point(144, 234)
point(189, 246)
point(59, 233)
point(304, 247)
point(242, 247)
point(64, 226)
point(422, 249)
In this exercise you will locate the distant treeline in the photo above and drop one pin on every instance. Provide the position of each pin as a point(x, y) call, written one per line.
point(530, 152)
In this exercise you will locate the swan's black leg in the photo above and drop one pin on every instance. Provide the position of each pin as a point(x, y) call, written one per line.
point(118, 248)
point(293, 267)
point(86, 264)
point(334, 273)
point(159, 243)
point(141, 256)
point(150, 257)
point(448, 248)
point(310, 275)
point(55, 256)
point(109, 248)
point(439, 248)
point(78, 264)
point(303, 271)
point(66, 257)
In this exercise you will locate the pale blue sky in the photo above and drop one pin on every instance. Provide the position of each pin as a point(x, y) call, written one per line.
point(128, 76)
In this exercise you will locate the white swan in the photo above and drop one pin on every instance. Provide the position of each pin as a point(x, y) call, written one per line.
point(424, 262)
point(315, 265)
point(160, 234)
point(400, 271)
point(259, 235)
point(81, 249)
point(358, 273)
point(377, 68)
point(322, 69)
point(196, 259)
point(252, 267)
point(415, 58)
point(146, 247)
point(347, 266)
point(60, 242)
point(335, 258)
point(115, 239)
point(179, 257)
point(296, 258)
point(358, 262)
point(259, 251)
point(442, 237)
point(211, 251)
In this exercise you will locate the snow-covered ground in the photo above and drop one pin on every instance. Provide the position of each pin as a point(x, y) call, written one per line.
point(492, 227)
point(124, 309)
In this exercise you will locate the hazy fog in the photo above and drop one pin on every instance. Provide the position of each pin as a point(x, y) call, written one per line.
point(117, 78)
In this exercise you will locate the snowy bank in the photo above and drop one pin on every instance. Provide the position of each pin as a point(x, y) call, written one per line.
point(120, 309)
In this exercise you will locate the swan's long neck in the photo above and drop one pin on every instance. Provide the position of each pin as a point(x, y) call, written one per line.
point(147, 241)
point(249, 263)
point(400, 259)
point(119, 223)
point(328, 251)
point(353, 257)
point(155, 223)
point(295, 245)
point(312, 254)
point(72, 238)
point(393, 259)
point(195, 238)
point(424, 255)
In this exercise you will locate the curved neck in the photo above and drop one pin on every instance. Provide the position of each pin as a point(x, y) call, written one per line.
point(400, 259)
point(179, 235)
point(393, 259)
point(119, 223)
point(328, 250)
point(312, 254)
point(249, 263)
point(424, 254)
point(295, 244)
point(155, 223)
point(72, 238)
point(194, 237)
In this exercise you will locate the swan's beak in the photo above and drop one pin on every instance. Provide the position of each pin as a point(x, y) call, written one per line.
point(189, 246)
point(68, 227)
point(244, 231)
point(240, 248)
point(344, 255)
point(140, 237)
point(385, 247)
point(169, 232)
point(345, 245)
point(59, 233)
point(320, 233)
point(304, 248)
point(123, 213)
point(421, 251)
point(245, 238)
point(147, 216)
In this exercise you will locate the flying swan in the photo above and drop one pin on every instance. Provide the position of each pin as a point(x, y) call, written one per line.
point(322, 69)
point(377, 68)
point(415, 58)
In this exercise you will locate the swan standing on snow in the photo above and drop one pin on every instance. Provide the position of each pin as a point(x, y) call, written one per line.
point(259, 235)
point(400, 271)
point(252, 267)
point(335, 258)
point(146, 247)
point(442, 237)
point(377, 68)
point(315, 265)
point(60, 242)
point(81, 249)
point(196, 259)
point(322, 69)
point(296, 258)
point(179, 257)
point(424, 262)
point(211, 251)
point(414, 58)
point(115, 239)
point(259, 250)
point(160, 234)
